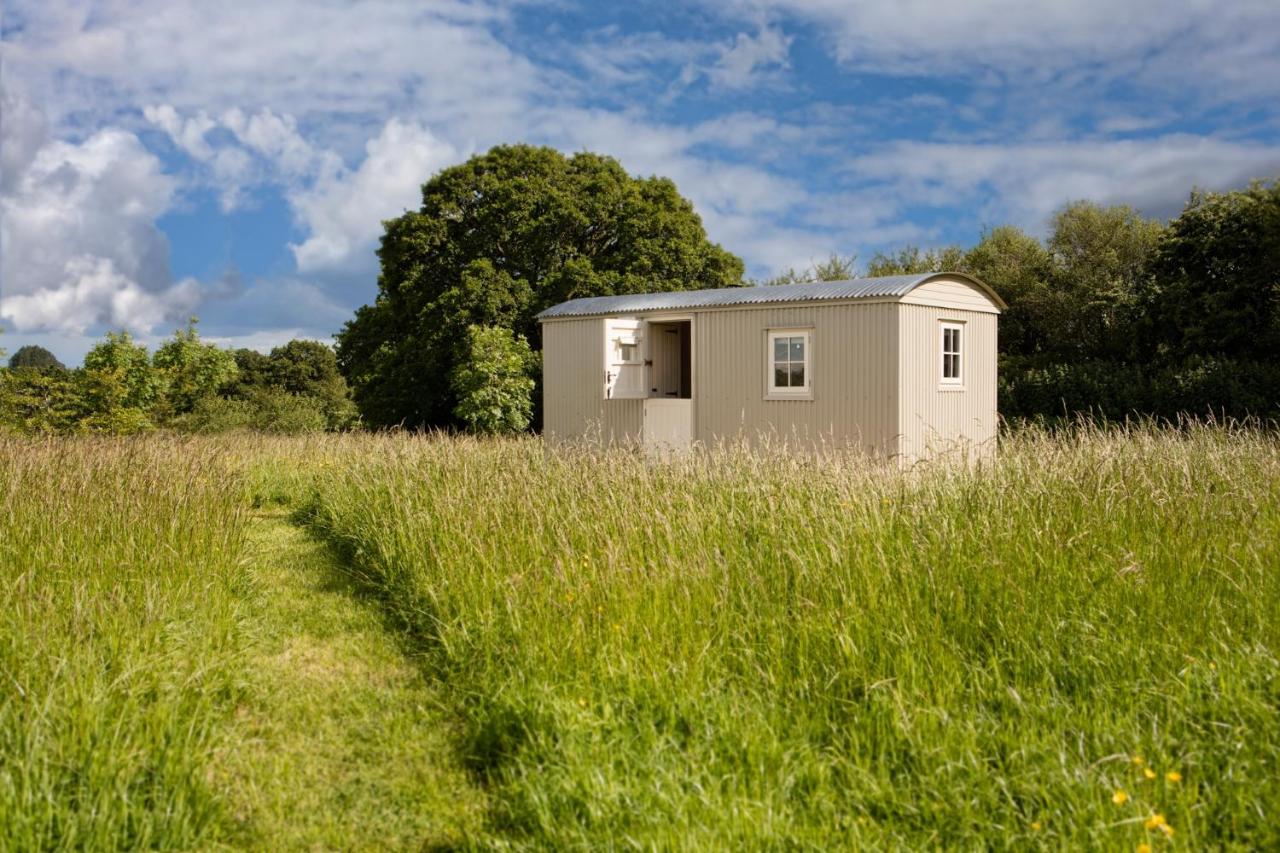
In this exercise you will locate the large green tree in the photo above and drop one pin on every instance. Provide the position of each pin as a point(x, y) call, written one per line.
point(496, 240)
point(310, 368)
point(1101, 257)
point(191, 369)
point(126, 366)
point(1214, 288)
point(1021, 270)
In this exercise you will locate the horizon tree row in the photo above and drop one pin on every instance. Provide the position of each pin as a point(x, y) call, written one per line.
point(187, 384)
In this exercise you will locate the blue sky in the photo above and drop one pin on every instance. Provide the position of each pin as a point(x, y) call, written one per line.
point(233, 160)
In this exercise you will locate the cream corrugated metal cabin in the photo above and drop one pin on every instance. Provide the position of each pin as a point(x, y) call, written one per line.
point(900, 366)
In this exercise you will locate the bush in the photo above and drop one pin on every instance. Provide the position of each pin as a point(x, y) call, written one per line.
point(492, 383)
point(265, 409)
point(217, 414)
point(1200, 386)
point(279, 411)
point(39, 401)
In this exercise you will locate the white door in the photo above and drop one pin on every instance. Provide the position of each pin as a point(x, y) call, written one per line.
point(668, 424)
point(625, 353)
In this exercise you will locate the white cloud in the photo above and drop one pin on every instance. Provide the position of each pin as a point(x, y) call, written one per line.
point(1025, 182)
point(1223, 50)
point(740, 63)
point(78, 241)
point(346, 109)
point(265, 340)
point(92, 292)
point(305, 58)
point(343, 211)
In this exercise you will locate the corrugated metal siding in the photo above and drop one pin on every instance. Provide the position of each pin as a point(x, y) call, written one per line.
point(855, 377)
point(573, 401)
point(934, 421)
point(622, 421)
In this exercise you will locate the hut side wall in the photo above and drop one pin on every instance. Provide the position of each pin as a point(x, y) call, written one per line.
point(934, 419)
point(854, 377)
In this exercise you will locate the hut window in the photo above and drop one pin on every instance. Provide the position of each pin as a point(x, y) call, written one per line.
point(952, 353)
point(789, 363)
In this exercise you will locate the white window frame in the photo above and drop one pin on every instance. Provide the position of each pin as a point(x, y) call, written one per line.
point(801, 392)
point(623, 344)
point(951, 383)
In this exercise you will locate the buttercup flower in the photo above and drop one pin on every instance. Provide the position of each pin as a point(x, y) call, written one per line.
point(1120, 798)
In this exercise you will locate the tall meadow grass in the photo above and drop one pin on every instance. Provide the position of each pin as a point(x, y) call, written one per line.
point(120, 641)
point(1074, 645)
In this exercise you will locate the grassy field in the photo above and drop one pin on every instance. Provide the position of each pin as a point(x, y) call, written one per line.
point(1074, 646)
point(180, 670)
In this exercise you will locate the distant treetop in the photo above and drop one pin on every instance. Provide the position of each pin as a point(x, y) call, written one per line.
point(37, 357)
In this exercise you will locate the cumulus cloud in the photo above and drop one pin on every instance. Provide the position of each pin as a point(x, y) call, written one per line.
point(343, 211)
point(92, 292)
point(78, 240)
point(344, 110)
point(1222, 50)
point(740, 63)
point(1025, 182)
point(321, 58)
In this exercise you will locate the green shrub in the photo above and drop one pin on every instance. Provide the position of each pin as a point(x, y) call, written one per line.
point(1197, 387)
point(217, 414)
point(279, 411)
point(492, 381)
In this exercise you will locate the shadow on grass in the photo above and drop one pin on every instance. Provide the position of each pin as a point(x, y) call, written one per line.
point(488, 735)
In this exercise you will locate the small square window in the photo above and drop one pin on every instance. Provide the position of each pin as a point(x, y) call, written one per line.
point(788, 369)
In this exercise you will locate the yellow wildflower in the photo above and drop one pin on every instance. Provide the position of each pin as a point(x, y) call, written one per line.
point(582, 703)
point(1137, 761)
point(1173, 776)
point(1156, 821)
point(1148, 772)
point(1144, 847)
point(1036, 826)
point(1167, 830)
point(1120, 798)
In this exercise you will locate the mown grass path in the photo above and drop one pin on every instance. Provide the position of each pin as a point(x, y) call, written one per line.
point(345, 743)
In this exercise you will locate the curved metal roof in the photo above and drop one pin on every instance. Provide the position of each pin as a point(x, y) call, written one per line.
point(883, 287)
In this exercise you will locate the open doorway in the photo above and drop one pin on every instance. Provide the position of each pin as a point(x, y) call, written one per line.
point(671, 362)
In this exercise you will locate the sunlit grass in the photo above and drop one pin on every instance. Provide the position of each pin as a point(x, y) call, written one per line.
point(120, 642)
point(1073, 646)
point(739, 650)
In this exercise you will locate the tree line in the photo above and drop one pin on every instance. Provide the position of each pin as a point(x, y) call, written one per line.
point(187, 384)
point(1111, 314)
point(1116, 315)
